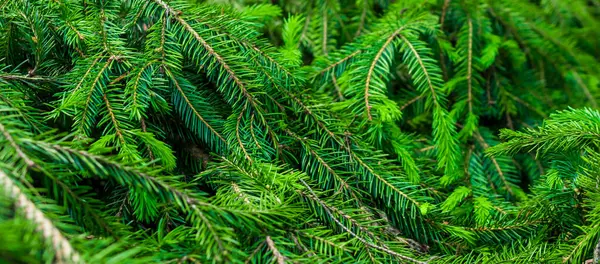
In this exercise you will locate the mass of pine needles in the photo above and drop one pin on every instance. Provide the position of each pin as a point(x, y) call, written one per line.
point(299, 131)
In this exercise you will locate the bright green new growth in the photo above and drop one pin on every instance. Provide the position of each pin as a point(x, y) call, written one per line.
point(319, 131)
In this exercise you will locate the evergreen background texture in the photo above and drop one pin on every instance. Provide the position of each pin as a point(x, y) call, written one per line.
point(299, 131)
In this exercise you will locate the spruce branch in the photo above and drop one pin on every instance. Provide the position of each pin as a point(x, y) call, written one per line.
point(278, 256)
point(387, 42)
point(15, 146)
point(211, 52)
point(485, 146)
point(364, 98)
point(421, 64)
point(350, 232)
point(65, 253)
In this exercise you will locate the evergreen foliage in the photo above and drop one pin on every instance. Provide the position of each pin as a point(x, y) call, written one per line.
point(293, 131)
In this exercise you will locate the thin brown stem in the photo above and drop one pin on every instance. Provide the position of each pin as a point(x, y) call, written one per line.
point(276, 253)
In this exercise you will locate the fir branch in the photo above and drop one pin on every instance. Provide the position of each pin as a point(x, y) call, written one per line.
point(365, 98)
point(194, 110)
point(387, 42)
point(65, 253)
point(485, 146)
point(278, 256)
point(114, 120)
point(423, 68)
point(14, 145)
point(350, 232)
point(211, 52)
point(339, 62)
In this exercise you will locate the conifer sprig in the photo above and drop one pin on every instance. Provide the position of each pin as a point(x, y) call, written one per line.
point(329, 131)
